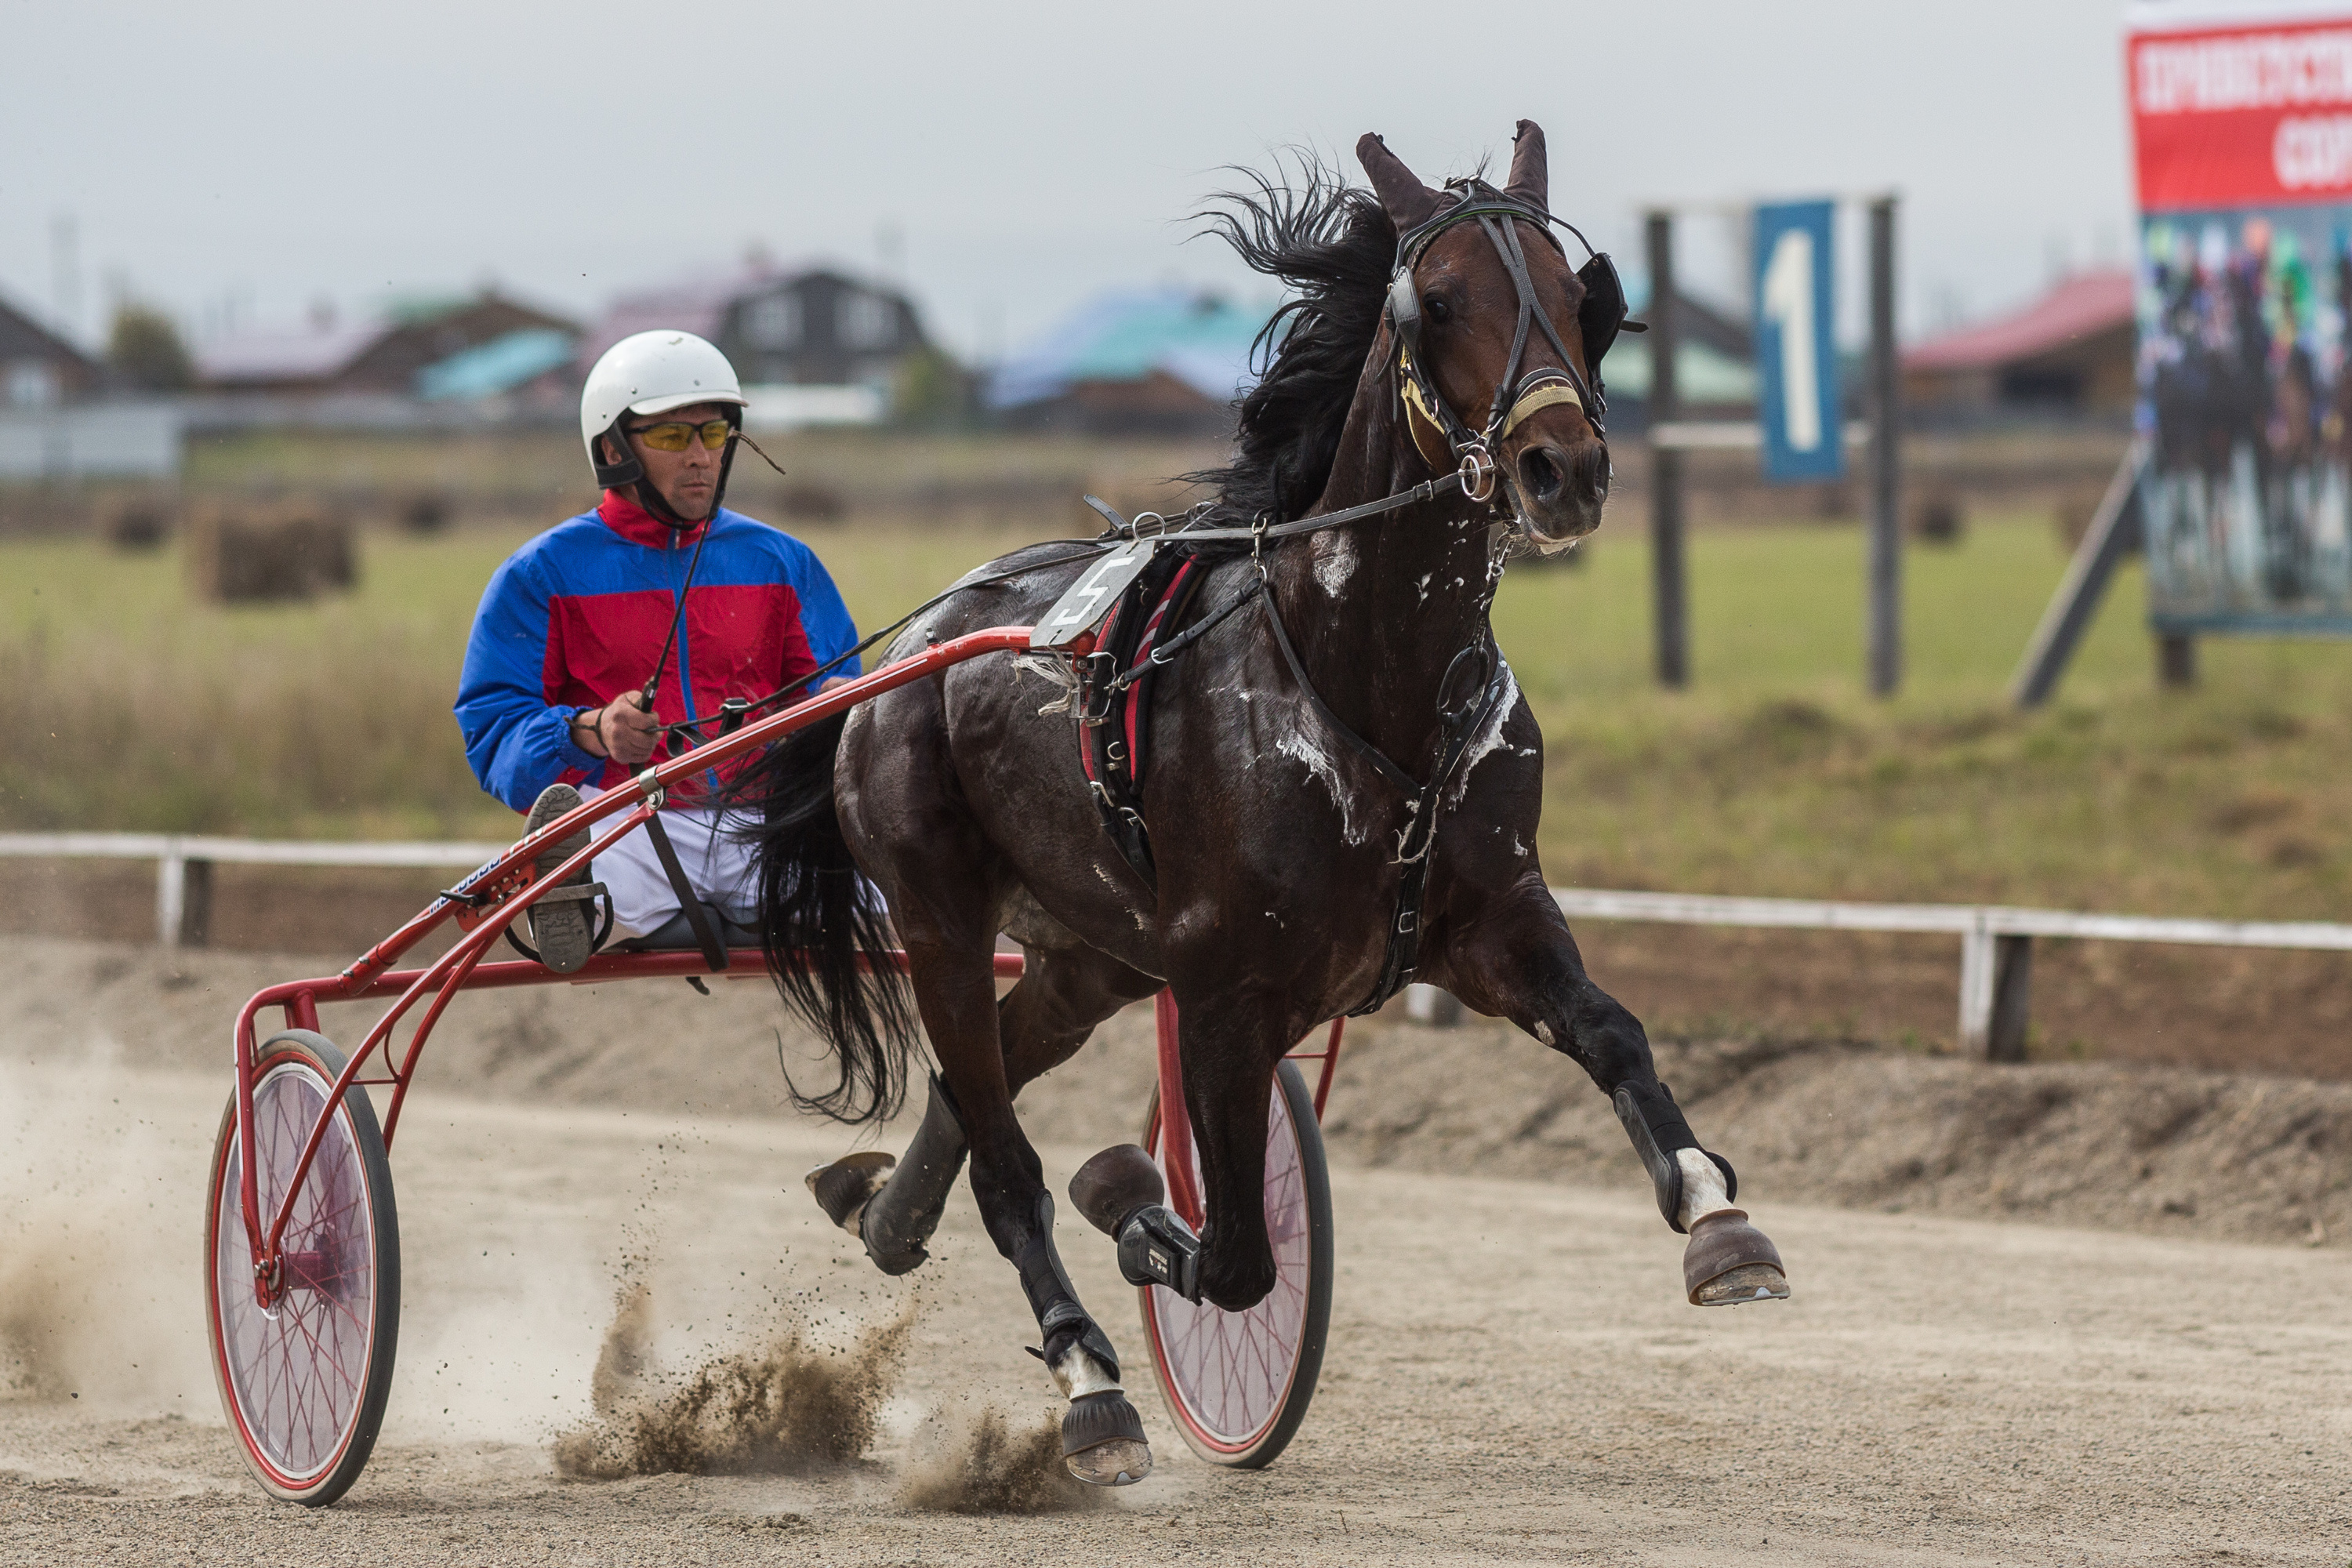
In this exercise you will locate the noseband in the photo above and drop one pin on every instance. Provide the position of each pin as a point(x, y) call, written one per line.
point(1600, 318)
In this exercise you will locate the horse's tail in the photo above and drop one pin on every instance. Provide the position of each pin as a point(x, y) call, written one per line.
point(818, 919)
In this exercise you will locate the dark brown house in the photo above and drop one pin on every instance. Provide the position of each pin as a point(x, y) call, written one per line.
point(818, 328)
point(38, 368)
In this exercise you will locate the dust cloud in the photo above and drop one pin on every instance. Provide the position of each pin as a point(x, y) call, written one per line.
point(102, 1221)
point(791, 1406)
point(985, 1467)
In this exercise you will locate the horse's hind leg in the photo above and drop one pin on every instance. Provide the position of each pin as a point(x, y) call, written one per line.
point(1515, 957)
point(893, 1209)
point(1102, 1435)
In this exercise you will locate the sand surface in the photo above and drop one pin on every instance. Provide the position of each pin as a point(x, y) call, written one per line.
point(1512, 1373)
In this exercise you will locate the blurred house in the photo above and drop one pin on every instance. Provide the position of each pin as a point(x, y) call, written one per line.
point(2070, 351)
point(40, 369)
point(483, 346)
point(813, 345)
point(1159, 362)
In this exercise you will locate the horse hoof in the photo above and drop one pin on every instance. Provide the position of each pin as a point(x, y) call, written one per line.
point(1114, 1184)
point(1103, 1442)
point(843, 1187)
point(1119, 1463)
point(1731, 1261)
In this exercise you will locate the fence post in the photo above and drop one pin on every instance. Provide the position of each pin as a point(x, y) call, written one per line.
point(1976, 987)
point(1431, 1005)
point(171, 894)
point(2012, 984)
point(196, 905)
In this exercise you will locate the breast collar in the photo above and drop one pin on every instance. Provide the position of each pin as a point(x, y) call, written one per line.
point(1599, 319)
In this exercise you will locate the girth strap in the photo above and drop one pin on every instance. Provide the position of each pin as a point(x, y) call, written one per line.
point(714, 951)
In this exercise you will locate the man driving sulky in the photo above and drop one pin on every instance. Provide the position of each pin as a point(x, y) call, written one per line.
point(658, 590)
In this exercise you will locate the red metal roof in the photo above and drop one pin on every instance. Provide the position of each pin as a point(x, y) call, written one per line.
point(2078, 307)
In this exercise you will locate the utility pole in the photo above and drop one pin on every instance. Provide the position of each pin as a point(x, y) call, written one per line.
point(1670, 599)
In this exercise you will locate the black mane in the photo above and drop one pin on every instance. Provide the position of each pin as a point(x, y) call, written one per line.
point(1334, 247)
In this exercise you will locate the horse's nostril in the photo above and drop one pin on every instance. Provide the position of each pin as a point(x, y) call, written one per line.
point(1542, 473)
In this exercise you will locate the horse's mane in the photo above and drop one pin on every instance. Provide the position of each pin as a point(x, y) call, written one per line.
point(1334, 245)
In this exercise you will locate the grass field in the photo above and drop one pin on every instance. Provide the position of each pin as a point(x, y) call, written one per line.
point(133, 707)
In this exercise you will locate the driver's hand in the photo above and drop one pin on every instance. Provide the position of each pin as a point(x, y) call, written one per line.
point(627, 730)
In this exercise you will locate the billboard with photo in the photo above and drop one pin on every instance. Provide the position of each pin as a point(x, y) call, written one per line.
point(2242, 118)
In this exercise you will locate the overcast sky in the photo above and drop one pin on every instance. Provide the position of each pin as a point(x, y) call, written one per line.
point(1025, 155)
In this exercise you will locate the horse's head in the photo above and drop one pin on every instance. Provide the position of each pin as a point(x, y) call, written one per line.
point(1496, 340)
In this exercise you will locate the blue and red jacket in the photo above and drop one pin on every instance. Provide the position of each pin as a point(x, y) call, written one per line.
point(579, 615)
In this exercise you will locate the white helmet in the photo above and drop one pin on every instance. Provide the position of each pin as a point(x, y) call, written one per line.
point(650, 373)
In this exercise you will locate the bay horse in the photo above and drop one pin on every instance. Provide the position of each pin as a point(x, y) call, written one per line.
point(1308, 750)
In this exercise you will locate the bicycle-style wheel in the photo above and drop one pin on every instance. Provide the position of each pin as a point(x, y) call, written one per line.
point(304, 1379)
point(1238, 1384)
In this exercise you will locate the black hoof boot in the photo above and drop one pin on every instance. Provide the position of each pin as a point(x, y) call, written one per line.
point(1103, 1442)
point(1121, 1194)
point(898, 1219)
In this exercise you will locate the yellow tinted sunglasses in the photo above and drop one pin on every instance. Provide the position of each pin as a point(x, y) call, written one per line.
point(675, 435)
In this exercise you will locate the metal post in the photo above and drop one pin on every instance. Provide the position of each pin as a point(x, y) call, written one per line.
point(1670, 601)
point(1433, 1005)
point(170, 893)
point(2176, 659)
point(2012, 988)
point(1885, 412)
point(196, 905)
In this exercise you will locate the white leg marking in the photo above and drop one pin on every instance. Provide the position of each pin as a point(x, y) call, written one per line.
point(1543, 1033)
point(1078, 1374)
point(1702, 1192)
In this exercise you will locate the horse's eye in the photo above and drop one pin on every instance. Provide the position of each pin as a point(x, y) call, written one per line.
point(1436, 308)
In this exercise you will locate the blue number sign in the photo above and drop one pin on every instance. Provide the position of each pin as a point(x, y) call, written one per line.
point(1796, 345)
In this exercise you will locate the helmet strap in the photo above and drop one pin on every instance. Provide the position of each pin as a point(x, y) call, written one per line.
point(630, 474)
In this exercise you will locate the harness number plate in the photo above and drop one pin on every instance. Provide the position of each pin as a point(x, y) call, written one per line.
point(1082, 608)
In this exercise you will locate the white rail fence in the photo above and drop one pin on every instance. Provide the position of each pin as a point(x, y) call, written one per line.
point(1996, 940)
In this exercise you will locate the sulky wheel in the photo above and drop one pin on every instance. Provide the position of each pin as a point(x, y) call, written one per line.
point(1238, 1384)
point(304, 1375)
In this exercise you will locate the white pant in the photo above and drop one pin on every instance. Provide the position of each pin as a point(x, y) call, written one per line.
point(717, 867)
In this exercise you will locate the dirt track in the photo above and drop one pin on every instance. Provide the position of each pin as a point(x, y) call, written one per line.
point(1512, 1375)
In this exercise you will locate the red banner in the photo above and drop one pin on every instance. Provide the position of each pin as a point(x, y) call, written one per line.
point(2242, 116)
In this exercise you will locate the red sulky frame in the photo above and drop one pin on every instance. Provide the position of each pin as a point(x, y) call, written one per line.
point(512, 885)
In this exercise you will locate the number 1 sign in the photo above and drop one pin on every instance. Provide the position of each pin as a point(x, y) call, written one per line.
point(1796, 347)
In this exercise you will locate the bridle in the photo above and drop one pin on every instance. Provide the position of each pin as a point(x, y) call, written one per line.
point(1599, 317)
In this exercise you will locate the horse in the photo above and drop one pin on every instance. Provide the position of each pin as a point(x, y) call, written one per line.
point(1347, 772)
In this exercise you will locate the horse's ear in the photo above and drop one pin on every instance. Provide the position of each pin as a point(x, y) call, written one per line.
point(1403, 197)
point(1531, 182)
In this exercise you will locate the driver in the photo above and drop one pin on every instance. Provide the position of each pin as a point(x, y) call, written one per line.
point(578, 622)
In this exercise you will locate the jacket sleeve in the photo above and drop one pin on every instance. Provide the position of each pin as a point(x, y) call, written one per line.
point(516, 744)
point(824, 619)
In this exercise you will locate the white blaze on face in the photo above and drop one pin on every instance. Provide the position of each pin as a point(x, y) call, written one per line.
point(1703, 1189)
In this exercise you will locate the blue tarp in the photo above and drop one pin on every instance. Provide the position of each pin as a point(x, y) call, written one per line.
point(500, 365)
point(1201, 339)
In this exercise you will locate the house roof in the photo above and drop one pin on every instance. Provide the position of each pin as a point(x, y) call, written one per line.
point(500, 365)
point(2077, 307)
point(1201, 339)
point(301, 354)
point(23, 336)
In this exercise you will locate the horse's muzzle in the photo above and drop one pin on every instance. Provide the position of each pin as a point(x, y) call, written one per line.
point(1561, 489)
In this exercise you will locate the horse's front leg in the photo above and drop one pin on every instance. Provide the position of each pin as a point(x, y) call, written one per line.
point(1513, 955)
point(1102, 1435)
